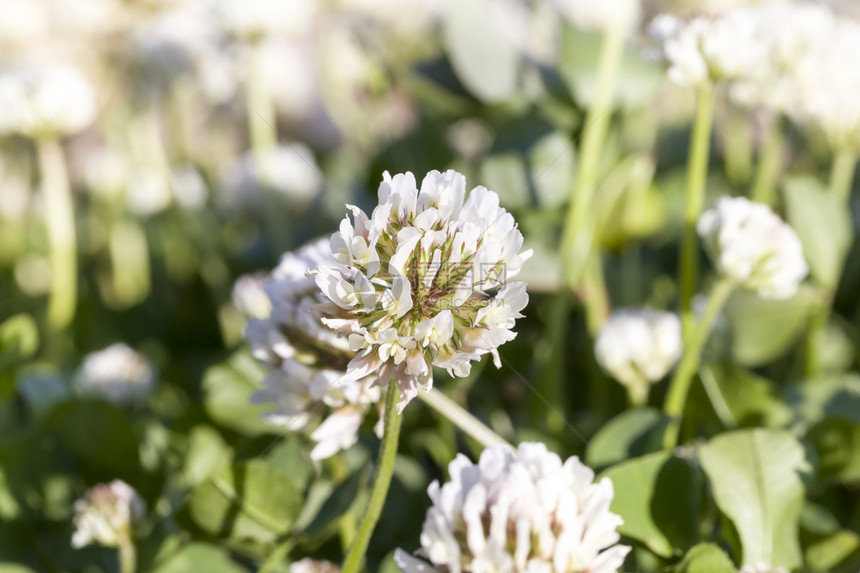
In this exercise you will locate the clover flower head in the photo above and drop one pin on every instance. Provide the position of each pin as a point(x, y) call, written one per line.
point(602, 16)
point(106, 515)
point(308, 565)
point(750, 245)
point(425, 280)
point(518, 513)
point(118, 374)
point(53, 100)
point(638, 347)
point(254, 20)
point(305, 358)
point(762, 568)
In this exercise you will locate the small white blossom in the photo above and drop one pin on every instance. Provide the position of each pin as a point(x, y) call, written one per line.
point(118, 374)
point(638, 347)
point(106, 515)
point(308, 565)
point(253, 20)
point(762, 568)
point(750, 245)
point(424, 280)
point(602, 16)
point(520, 513)
point(46, 101)
point(305, 358)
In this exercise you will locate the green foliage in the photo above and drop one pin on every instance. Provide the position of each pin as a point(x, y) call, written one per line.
point(705, 558)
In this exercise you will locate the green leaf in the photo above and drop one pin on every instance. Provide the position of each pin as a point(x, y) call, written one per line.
point(763, 330)
point(19, 340)
point(659, 498)
point(338, 503)
point(248, 501)
point(756, 480)
point(837, 552)
point(632, 433)
point(705, 558)
point(750, 399)
point(837, 444)
point(823, 224)
point(227, 389)
point(206, 454)
point(484, 59)
point(198, 557)
point(14, 568)
point(99, 433)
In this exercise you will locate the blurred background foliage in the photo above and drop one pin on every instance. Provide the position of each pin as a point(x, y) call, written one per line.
point(169, 213)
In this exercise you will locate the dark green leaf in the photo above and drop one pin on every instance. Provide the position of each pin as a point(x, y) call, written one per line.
point(632, 433)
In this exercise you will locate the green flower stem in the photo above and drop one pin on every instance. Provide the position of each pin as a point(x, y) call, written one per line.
point(679, 387)
point(127, 557)
point(842, 173)
point(472, 426)
point(737, 147)
point(769, 166)
point(384, 471)
point(60, 220)
point(578, 235)
point(697, 175)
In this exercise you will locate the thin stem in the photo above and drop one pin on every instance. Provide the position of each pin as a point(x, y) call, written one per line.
point(277, 556)
point(384, 471)
point(679, 387)
point(471, 425)
point(127, 557)
point(60, 220)
point(697, 174)
point(842, 173)
point(769, 166)
point(737, 147)
point(578, 233)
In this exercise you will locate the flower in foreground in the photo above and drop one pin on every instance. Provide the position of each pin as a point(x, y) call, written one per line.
point(523, 512)
point(118, 374)
point(106, 515)
point(752, 247)
point(638, 347)
point(762, 568)
point(308, 565)
point(424, 281)
point(305, 358)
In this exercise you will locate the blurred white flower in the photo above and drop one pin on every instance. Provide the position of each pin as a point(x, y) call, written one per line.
point(252, 20)
point(189, 187)
point(638, 347)
point(107, 514)
point(148, 192)
point(106, 171)
point(602, 15)
point(425, 280)
point(52, 100)
point(308, 565)
point(751, 246)
point(523, 513)
point(762, 568)
point(24, 22)
point(249, 297)
point(305, 358)
point(33, 274)
point(118, 374)
point(290, 170)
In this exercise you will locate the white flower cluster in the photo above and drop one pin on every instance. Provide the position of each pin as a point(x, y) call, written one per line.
point(425, 280)
point(308, 565)
point(118, 374)
point(762, 568)
point(750, 245)
point(306, 358)
point(638, 347)
point(523, 513)
point(45, 101)
point(106, 515)
point(602, 16)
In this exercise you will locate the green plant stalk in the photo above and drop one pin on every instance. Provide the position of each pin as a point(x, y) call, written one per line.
point(60, 220)
point(384, 471)
point(578, 235)
point(468, 423)
point(697, 175)
point(679, 386)
point(769, 166)
point(127, 556)
point(842, 173)
point(737, 147)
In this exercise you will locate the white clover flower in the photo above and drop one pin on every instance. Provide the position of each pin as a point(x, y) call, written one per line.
point(46, 101)
point(751, 246)
point(253, 20)
point(118, 374)
point(308, 565)
point(762, 568)
point(290, 170)
point(638, 347)
point(527, 512)
point(107, 514)
point(709, 49)
point(602, 16)
point(305, 358)
point(425, 280)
